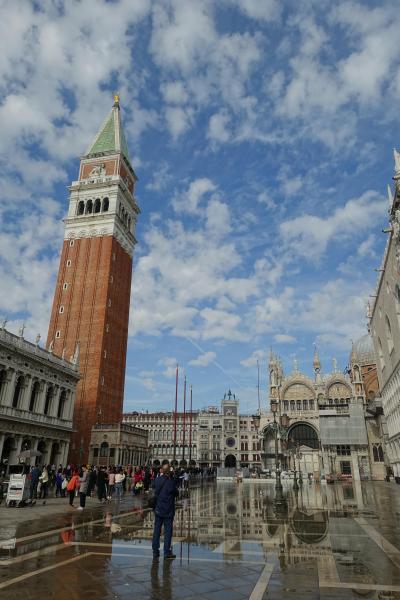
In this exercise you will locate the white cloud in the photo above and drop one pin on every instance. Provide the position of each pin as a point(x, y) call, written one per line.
point(203, 359)
point(366, 248)
point(218, 127)
point(188, 201)
point(257, 356)
point(266, 10)
point(174, 92)
point(170, 364)
point(265, 198)
point(309, 235)
point(178, 120)
point(284, 338)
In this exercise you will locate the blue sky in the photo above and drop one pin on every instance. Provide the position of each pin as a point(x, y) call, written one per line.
point(262, 135)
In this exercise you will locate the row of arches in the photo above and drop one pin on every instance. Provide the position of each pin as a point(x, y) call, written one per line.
point(89, 207)
point(33, 403)
point(29, 443)
point(298, 405)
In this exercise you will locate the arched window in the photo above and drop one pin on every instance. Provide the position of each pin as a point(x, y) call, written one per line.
point(388, 331)
point(305, 405)
point(26, 444)
point(380, 352)
point(380, 453)
point(17, 391)
point(397, 301)
point(292, 405)
point(89, 207)
point(97, 205)
point(3, 381)
point(303, 434)
point(311, 404)
point(49, 399)
point(106, 204)
point(81, 207)
point(285, 405)
point(104, 449)
point(298, 404)
point(34, 395)
point(61, 404)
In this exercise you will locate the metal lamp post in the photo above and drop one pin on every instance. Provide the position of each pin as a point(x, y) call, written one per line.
point(278, 483)
point(295, 484)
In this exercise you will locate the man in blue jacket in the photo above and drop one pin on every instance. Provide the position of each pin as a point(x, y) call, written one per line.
point(166, 491)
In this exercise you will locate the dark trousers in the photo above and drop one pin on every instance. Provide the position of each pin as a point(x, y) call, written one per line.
point(82, 499)
point(71, 497)
point(43, 489)
point(33, 490)
point(168, 528)
point(101, 492)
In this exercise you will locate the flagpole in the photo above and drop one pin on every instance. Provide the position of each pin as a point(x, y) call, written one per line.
point(184, 417)
point(190, 423)
point(258, 387)
point(176, 409)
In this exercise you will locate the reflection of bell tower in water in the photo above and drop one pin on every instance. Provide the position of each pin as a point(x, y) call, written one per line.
point(91, 301)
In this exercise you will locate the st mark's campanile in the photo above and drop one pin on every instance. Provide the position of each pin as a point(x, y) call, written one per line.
point(91, 302)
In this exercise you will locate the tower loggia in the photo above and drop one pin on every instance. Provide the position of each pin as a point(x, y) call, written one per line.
point(92, 296)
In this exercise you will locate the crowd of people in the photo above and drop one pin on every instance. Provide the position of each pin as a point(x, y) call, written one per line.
point(107, 483)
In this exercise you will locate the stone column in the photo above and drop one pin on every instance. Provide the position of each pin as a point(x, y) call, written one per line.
point(69, 411)
point(64, 453)
point(2, 440)
point(13, 459)
point(26, 394)
point(354, 466)
point(56, 399)
point(41, 397)
point(9, 388)
point(46, 455)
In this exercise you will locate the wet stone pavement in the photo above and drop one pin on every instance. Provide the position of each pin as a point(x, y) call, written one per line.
point(232, 541)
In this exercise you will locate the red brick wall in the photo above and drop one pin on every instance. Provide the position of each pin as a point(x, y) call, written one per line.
point(100, 273)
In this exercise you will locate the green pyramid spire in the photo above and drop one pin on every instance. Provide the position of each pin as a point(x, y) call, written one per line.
point(110, 137)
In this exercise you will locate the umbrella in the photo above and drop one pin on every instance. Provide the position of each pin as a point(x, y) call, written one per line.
point(29, 454)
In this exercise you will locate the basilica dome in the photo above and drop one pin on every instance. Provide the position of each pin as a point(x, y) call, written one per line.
point(363, 351)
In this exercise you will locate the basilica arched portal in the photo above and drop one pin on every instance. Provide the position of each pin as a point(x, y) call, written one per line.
point(303, 434)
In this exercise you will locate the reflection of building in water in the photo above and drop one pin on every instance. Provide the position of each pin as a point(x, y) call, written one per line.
point(335, 425)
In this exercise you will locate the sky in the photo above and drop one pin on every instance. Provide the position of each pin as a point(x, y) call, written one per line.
point(262, 134)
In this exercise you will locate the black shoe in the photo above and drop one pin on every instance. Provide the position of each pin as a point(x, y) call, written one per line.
point(169, 556)
point(156, 555)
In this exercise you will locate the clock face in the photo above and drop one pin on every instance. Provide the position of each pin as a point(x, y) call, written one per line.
point(230, 442)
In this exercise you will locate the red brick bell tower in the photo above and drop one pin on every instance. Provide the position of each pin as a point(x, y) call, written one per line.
point(90, 312)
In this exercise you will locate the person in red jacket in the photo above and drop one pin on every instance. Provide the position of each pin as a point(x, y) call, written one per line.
point(73, 484)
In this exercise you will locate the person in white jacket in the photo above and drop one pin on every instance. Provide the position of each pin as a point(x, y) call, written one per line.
point(119, 478)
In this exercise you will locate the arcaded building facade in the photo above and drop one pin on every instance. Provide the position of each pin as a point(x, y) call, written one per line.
point(385, 326)
point(92, 296)
point(37, 397)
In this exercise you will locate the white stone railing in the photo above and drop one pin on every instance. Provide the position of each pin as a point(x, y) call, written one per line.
point(34, 350)
point(26, 415)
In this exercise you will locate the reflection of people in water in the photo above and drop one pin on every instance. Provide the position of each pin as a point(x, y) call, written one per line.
point(68, 535)
point(161, 590)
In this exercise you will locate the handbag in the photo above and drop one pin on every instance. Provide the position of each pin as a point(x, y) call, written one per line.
point(64, 484)
point(152, 503)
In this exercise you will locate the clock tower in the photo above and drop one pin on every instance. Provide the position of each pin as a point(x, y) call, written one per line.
point(91, 302)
